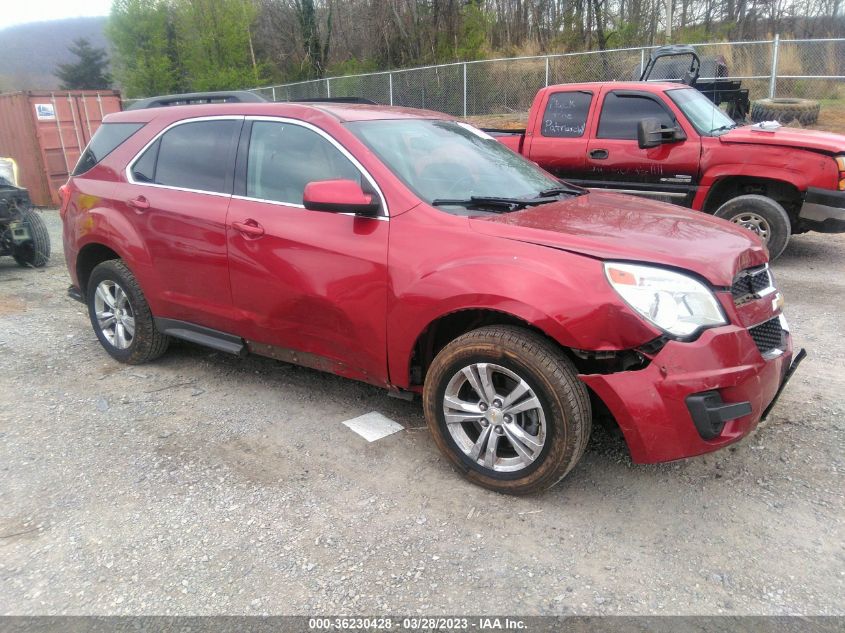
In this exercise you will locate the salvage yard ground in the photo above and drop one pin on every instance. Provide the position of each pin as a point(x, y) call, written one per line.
point(204, 483)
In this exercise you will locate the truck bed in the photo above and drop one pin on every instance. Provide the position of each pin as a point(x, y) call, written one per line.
point(512, 139)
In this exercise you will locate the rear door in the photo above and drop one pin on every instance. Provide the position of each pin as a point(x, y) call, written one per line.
point(615, 160)
point(177, 197)
point(311, 286)
point(558, 142)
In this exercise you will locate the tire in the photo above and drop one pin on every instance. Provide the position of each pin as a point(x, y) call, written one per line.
point(35, 252)
point(805, 111)
point(556, 430)
point(761, 215)
point(114, 279)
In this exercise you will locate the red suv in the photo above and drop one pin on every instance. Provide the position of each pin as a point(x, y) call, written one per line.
point(414, 252)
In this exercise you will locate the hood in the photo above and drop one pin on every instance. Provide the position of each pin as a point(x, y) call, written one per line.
point(614, 226)
point(827, 142)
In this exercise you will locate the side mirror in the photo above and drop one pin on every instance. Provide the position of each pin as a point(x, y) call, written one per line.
point(650, 133)
point(339, 196)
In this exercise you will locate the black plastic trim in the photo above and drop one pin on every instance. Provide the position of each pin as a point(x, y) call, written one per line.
point(201, 335)
point(198, 98)
point(796, 360)
point(75, 293)
point(710, 414)
point(826, 197)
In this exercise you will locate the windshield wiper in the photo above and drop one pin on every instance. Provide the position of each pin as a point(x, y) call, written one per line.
point(560, 190)
point(504, 204)
point(724, 128)
point(500, 205)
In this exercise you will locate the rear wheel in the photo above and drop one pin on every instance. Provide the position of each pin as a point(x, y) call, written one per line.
point(34, 252)
point(760, 215)
point(506, 407)
point(120, 315)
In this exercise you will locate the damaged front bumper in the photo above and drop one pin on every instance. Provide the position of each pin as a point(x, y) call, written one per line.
point(823, 210)
point(695, 397)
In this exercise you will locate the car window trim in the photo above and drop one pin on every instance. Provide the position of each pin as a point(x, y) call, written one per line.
point(247, 129)
point(230, 158)
point(631, 93)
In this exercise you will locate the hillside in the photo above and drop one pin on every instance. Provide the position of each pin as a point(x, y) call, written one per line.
point(32, 51)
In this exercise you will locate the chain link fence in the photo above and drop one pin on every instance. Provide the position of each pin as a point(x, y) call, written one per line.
point(770, 68)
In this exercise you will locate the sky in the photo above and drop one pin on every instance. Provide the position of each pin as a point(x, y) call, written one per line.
point(21, 11)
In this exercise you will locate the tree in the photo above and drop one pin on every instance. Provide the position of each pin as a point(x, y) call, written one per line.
point(89, 72)
point(167, 46)
point(146, 61)
point(316, 47)
point(214, 43)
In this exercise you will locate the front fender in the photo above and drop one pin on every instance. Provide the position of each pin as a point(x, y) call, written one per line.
point(563, 294)
point(816, 170)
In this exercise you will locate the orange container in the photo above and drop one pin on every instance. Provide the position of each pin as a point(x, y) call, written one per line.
point(45, 132)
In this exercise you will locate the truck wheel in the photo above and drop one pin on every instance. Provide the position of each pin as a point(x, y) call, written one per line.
point(35, 252)
point(763, 216)
point(805, 111)
point(506, 407)
point(121, 316)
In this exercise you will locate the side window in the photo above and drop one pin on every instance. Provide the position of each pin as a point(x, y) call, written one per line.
point(144, 169)
point(189, 156)
point(104, 142)
point(620, 114)
point(284, 157)
point(566, 114)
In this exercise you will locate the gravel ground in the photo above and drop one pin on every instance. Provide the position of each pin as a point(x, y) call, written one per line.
point(207, 484)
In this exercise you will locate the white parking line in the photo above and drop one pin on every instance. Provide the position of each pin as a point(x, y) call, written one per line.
point(373, 426)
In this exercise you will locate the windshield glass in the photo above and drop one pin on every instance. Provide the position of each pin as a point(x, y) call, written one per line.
point(442, 160)
point(702, 113)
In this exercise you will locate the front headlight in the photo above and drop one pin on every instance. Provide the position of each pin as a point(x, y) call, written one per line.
point(675, 303)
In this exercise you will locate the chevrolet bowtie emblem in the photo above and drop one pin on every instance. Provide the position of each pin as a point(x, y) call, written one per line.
point(777, 302)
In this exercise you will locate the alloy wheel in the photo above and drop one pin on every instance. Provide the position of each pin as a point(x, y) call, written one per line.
point(115, 315)
point(494, 417)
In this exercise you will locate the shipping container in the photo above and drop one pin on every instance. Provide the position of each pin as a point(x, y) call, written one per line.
point(46, 131)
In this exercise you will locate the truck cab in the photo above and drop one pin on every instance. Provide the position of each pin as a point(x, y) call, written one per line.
point(667, 141)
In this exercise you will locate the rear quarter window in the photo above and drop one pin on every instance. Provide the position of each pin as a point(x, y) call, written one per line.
point(566, 114)
point(105, 140)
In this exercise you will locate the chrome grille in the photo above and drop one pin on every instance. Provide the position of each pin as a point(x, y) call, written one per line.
point(750, 283)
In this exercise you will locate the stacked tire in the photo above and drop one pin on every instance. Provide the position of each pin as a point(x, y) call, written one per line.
point(804, 111)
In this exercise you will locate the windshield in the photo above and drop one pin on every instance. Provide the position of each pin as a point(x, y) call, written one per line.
point(702, 113)
point(449, 160)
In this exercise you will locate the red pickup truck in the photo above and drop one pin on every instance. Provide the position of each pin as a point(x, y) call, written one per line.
point(411, 251)
point(668, 141)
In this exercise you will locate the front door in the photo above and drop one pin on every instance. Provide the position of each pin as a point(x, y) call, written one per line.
point(615, 160)
point(308, 286)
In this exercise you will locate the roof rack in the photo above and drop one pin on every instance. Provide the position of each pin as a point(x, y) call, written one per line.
point(196, 98)
point(335, 100)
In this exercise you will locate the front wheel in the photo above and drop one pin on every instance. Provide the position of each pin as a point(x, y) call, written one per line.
point(506, 407)
point(760, 215)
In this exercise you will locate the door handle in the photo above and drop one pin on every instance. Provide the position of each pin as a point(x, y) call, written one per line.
point(249, 227)
point(140, 203)
point(599, 154)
